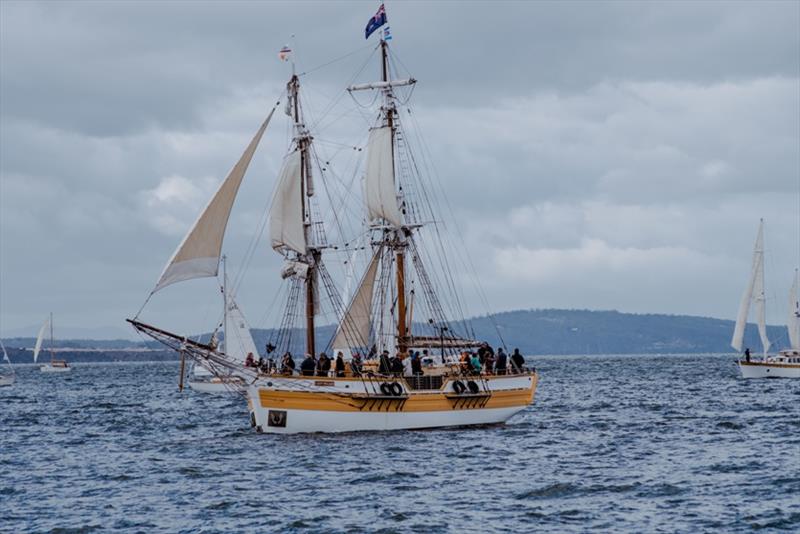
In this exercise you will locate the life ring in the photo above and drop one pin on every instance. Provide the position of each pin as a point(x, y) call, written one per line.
point(386, 389)
point(473, 387)
point(459, 387)
point(397, 389)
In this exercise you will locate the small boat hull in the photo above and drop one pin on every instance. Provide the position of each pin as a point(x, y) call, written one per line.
point(309, 407)
point(47, 368)
point(214, 386)
point(769, 370)
point(6, 380)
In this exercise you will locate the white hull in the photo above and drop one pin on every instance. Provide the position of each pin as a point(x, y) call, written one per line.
point(212, 386)
point(301, 421)
point(769, 370)
point(284, 406)
point(47, 368)
point(6, 380)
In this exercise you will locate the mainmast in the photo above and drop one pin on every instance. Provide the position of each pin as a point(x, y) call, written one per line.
point(303, 140)
point(399, 242)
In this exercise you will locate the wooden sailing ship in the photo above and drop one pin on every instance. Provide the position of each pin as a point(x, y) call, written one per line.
point(395, 309)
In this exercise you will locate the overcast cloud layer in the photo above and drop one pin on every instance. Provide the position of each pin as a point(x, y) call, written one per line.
point(596, 155)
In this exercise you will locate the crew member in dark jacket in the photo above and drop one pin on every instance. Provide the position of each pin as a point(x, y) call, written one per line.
point(384, 367)
point(501, 362)
point(355, 364)
point(287, 365)
point(416, 364)
point(308, 365)
point(340, 364)
point(396, 365)
point(517, 360)
point(323, 365)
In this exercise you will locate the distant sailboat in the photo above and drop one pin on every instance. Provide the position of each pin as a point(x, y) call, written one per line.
point(54, 366)
point(7, 378)
point(787, 363)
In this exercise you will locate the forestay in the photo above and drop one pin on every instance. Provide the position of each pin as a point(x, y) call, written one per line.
point(379, 186)
point(199, 253)
point(286, 224)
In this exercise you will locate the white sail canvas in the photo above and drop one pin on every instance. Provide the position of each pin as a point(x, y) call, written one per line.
point(754, 290)
point(238, 339)
point(793, 322)
point(379, 187)
point(286, 224)
point(39, 338)
point(354, 328)
point(198, 254)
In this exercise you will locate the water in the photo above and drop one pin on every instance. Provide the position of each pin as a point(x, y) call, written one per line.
point(626, 444)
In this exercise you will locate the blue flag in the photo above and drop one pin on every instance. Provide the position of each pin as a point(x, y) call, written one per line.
point(375, 22)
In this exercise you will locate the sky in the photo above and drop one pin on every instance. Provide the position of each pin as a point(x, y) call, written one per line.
point(595, 155)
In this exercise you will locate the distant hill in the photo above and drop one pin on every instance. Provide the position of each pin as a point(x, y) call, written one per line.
point(534, 332)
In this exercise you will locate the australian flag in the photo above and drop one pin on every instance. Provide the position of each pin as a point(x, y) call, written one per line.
point(375, 22)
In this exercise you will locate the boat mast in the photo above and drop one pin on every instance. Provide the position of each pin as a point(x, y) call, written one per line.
point(399, 241)
point(52, 342)
point(303, 142)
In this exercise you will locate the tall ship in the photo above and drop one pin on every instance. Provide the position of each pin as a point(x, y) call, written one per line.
point(786, 363)
point(402, 353)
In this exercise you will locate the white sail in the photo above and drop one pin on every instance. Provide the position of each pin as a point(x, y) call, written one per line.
point(379, 186)
point(754, 290)
point(238, 339)
point(40, 338)
point(794, 315)
point(198, 254)
point(5, 354)
point(286, 225)
point(354, 329)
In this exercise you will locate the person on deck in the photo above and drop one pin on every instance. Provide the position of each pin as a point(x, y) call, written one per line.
point(323, 365)
point(517, 361)
point(396, 365)
point(355, 364)
point(287, 364)
point(747, 354)
point(249, 361)
point(308, 365)
point(383, 366)
point(475, 362)
point(416, 364)
point(501, 362)
point(340, 368)
point(466, 366)
point(488, 364)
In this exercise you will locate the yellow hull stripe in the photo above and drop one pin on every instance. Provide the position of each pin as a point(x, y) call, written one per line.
point(417, 402)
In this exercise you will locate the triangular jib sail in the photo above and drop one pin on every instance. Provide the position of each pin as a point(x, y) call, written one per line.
point(39, 338)
point(238, 339)
point(354, 329)
point(753, 292)
point(198, 254)
point(794, 315)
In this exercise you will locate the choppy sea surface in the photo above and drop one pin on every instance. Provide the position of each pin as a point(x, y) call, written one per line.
point(612, 444)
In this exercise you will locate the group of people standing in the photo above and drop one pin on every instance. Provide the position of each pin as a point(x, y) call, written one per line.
point(486, 361)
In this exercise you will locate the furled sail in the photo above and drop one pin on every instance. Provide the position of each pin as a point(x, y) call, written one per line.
point(353, 331)
point(286, 224)
point(794, 315)
point(198, 254)
point(238, 339)
point(753, 291)
point(40, 338)
point(379, 186)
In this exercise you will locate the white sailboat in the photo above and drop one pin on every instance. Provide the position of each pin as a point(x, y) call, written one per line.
point(399, 307)
point(237, 345)
point(53, 366)
point(7, 378)
point(786, 364)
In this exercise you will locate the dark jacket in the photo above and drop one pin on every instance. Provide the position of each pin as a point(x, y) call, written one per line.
point(416, 365)
point(323, 366)
point(384, 367)
point(517, 359)
point(339, 366)
point(307, 366)
point(501, 362)
point(396, 365)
